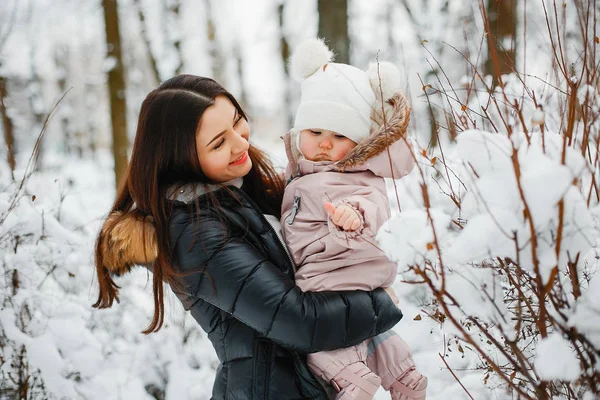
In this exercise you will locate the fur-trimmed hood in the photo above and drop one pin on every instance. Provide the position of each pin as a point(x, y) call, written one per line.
point(126, 240)
point(370, 153)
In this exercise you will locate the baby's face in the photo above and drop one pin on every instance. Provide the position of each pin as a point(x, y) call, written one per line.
point(323, 145)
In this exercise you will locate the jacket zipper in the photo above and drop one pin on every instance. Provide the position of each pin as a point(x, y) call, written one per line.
point(268, 370)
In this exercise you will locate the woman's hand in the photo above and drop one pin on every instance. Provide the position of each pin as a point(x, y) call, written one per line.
point(392, 294)
point(343, 216)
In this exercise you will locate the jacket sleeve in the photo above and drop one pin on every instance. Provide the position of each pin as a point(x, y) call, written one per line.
point(229, 273)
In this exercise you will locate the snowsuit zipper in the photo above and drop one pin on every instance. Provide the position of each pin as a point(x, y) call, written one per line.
point(292, 215)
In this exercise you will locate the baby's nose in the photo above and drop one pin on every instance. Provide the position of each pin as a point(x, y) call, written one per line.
point(326, 143)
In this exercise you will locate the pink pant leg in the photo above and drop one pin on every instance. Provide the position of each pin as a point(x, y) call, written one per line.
point(327, 364)
point(389, 357)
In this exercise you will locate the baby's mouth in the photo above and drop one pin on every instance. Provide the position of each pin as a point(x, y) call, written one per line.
point(322, 157)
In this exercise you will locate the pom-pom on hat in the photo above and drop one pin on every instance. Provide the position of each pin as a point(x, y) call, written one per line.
point(310, 55)
point(385, 79)
point(338, 97)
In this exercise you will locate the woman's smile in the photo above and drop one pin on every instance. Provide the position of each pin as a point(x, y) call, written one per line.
point(242, 159)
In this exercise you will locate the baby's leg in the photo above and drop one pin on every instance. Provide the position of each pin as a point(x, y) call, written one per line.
point(391, 359)
point(347, 371)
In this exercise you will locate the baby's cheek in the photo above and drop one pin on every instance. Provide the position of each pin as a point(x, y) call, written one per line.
point(338, 155)
point(343, 151)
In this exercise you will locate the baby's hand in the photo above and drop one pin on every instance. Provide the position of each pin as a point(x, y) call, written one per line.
point(343, 216)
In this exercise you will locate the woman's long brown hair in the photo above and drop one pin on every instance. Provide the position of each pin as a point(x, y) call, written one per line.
point(164, 155)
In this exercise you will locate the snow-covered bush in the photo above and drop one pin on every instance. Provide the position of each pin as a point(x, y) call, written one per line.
point(502, 222)
point(53, 344)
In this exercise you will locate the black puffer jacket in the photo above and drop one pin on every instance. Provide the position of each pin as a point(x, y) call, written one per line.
point(259, 322)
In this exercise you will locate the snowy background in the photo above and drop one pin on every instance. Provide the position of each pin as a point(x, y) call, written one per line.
point(48, 226)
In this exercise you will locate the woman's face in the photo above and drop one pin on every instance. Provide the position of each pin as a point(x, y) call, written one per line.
point(222, 142)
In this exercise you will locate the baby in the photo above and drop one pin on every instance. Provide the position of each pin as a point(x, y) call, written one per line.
point(336, 200)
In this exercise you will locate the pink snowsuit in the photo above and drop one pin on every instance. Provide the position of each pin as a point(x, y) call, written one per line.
point(329, 258)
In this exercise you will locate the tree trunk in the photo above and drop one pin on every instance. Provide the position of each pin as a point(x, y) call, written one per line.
point(146, 39)
point(9, 137)
point(36, 103)
point(333, 27)
point(174, 9)
point(285, 54)
point(239, 63)
point(61, 60)
point(502, 27)
point(116, 87)
point(217, 61)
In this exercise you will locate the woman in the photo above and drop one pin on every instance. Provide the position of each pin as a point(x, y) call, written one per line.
point(191, 209)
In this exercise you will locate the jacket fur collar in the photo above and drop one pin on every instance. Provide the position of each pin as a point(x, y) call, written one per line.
point(128, 239)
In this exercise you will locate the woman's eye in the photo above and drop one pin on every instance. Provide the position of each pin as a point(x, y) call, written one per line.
point(219, 145)
point(237, 121)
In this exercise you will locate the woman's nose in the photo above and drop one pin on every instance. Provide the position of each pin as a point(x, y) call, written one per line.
point(241, 140)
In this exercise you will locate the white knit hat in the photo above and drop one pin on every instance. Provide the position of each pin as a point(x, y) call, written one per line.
point(337, 97)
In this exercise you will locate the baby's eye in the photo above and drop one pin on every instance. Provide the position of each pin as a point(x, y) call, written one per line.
point(315, 132)
point(340, 136)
